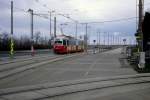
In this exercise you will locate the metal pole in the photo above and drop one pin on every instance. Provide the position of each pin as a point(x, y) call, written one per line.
point(86, 25)
point(136, 15)
point(141, 2)
point(50, 25)
point(76, 35)
point(12, 42)
point(108, 39)
point(11, 17)
point(99, 40)
point(55, 26)
point(32, 41)
point(113, 39)
point(104, 39)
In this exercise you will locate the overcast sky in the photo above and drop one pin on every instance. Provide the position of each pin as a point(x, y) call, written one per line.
point(80, 10)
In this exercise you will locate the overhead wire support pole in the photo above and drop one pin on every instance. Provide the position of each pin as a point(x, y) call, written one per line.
point(141, 8)
point(76, 35)
point(12, 41)
point(86, 29)
point(31, 28)
point(99, 40)
point(85, 36)
point(50, 25)
point(55, 27)
point(108, 38)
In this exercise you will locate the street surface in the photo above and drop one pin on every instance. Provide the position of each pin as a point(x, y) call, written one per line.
point(79, 76)
point(110, 63)
point(5, 55)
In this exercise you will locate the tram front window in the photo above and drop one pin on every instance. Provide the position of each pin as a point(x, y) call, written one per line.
point(58, 42)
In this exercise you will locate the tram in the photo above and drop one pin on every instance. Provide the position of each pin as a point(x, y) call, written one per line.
point(66, 44)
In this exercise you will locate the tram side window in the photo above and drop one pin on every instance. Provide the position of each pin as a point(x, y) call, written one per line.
point(67, 42)
point(64, 42)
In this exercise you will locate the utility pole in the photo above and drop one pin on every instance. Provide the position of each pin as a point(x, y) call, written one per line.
point(99, 40)
point(76, 34)
point(50, 25)
point(104, 38)
point(108, 38)
point(55, 26)
point(141, 11)
point(86, 26)
point(113, 39)
point(86, 36)
point(12, 41)
point(32, 41)
point(118, 40)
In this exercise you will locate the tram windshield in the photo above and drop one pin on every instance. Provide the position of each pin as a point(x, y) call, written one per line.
point(58, 42)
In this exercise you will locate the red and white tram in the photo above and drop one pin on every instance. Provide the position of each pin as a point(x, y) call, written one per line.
point(67, 44)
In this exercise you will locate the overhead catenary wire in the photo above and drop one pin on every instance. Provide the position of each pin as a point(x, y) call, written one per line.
point(93, 22)
point(57, 13)
point(25, 11)
point(107, 21)
point(110, 21)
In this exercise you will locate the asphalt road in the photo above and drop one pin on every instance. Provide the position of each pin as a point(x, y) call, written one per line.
point(110, 63)
point(5, 55)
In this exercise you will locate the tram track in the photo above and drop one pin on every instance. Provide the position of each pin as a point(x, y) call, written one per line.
point(10, 70)
point(21, 63)
point(19, 66)
point(76, 86)
point(22, 59)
